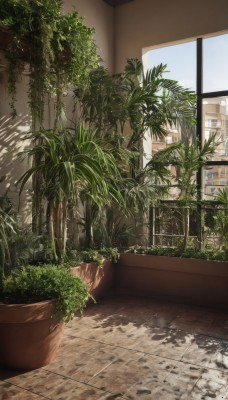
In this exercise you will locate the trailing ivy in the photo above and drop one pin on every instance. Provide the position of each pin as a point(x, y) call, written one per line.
point(58, 48)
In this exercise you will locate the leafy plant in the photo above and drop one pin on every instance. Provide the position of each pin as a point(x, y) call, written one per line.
point(123, 109)
point(8, 227)
point(76, 257)
point(48, 282)
point(28, 248)
point(178, 252)
point(188, 158)
point(64, 51)
point(97, 256)
point(92, 255)
point(110, 253)
point(69, 163)
point(221, 217)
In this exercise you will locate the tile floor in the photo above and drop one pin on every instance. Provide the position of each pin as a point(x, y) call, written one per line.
point(126, 348)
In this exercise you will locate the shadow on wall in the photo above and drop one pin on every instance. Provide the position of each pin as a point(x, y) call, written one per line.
point(12, 140)
point(11, 143)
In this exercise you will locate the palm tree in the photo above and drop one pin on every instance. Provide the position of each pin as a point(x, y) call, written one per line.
point(188, 158)
point(122, 108)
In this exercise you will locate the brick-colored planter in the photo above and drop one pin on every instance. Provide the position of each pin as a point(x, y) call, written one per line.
point(183, 279)
point(29, 336)
point(99, 280)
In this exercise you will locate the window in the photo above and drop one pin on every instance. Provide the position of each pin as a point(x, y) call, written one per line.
point(201, 66)
point(215, 61)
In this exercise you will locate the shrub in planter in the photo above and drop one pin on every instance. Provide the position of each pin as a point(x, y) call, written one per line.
point(34, 304)
point(219, 255)
point(95, 267)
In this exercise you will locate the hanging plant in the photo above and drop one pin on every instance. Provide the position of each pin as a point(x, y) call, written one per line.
point(58, 49)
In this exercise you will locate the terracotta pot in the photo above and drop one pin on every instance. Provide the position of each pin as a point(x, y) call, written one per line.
point(29, 336)
point(99, 280)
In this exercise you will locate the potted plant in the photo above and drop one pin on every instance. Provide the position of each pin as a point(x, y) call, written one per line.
point(35, 302)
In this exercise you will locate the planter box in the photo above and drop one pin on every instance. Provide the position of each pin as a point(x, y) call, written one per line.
point(29, 335)
point(99, 280)
point(181, 279)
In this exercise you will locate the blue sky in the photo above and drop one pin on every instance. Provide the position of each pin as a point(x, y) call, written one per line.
point(181, 62)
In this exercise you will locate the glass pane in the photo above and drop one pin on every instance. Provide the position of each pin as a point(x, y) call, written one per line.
point(215, 61)
point(181, 66)
point(215, 120)
point(214, 178)
point(180, 60)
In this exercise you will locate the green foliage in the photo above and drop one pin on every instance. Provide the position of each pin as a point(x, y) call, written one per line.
point(70, 162)
point(8, 228)
point(110, 253)
point(26, 247)
point(221, 217)
point(64, 50)
point(48, 282)
point(76, 257)
point(92, 255)
point(123, 109)
point(97, 256)
point(177, 252)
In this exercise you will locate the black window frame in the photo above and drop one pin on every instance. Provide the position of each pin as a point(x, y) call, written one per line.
point(200, 97)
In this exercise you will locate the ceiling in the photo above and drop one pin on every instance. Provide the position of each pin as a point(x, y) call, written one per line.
point(115, 3)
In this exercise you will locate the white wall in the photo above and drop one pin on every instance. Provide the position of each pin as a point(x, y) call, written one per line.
point(145, 23)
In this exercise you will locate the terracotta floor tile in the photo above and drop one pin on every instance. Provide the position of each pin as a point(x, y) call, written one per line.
point(74, 345)
point(211, 384)
point(201, 351)
point(10, 392)
point(169, 343)
point(102, 359)
point(129, 338)
point(219, 359)
point(166, 386)
point(119, 377)
point(76, 391)
point(39, 381)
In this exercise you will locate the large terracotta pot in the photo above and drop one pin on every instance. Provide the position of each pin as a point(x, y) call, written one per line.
point(99, 280)
point(29, 336)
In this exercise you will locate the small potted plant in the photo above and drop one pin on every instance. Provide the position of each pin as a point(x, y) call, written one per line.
point(35, 302)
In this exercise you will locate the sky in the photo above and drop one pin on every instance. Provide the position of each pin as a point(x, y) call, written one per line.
point(181, 62)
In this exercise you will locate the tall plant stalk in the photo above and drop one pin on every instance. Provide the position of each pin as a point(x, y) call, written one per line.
point(70, 161)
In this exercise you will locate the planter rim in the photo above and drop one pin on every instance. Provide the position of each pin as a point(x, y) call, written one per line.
point(175, 257)
point(175, 264)
point(22, 313)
